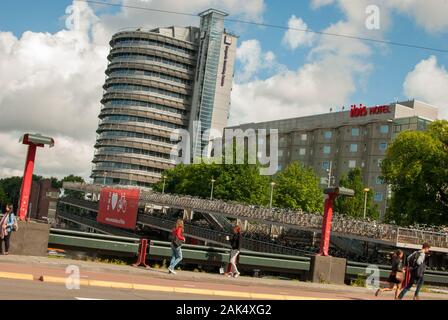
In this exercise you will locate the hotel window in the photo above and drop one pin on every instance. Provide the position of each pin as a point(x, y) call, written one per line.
point(384, 128)
point(352, 164)
point(327, 149)
point(328, 134)
point(378, 197)
point(353, 147)
point(383, 146)
point(355, 132)
point(324, 180)
point(379, 180)
point(280, 153)
point(326, 165)
point(302, 151)
point(303, 137)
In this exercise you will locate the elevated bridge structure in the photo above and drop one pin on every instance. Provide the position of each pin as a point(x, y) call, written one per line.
point(372, 232)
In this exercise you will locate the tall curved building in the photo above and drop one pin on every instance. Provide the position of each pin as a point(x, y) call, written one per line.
point(155, 79)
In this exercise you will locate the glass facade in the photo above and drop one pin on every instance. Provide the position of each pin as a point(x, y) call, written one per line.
point(212, 29)
point(152, 78)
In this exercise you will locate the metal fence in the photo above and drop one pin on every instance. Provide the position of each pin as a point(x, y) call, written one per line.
point(341, 225)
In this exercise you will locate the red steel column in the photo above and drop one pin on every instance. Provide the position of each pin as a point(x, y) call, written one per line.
point(326, 225)
point(27, 181)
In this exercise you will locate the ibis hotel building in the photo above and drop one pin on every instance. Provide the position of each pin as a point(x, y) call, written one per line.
point(158, 81)
point(339, 141)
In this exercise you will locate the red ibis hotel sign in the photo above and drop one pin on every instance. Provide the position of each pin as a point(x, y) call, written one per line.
point(363, 111)
point(118, 207)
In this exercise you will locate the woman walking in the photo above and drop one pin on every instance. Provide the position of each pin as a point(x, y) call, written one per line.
point(396, 276)
point(235, 242)
point(176, 244)
point(7, 226)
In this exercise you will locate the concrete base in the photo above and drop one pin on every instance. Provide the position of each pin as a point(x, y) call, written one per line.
point(328, 269)
point(30, 240)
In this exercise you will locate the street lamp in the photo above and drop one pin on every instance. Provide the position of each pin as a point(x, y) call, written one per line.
point(366, 190)
point(330, 174)
point(163, 186)
point(272, 194)
point(211, 193)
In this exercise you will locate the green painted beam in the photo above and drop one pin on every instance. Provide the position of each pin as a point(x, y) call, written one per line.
point(97, 244)
point(217, 256)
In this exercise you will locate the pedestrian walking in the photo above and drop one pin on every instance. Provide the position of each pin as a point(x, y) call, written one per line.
point(176, 245)
point(416, 266)
point(7, 225)
point(396, 276)
point(235, 243)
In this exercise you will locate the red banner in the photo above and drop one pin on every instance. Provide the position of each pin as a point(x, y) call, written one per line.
point(119, 207)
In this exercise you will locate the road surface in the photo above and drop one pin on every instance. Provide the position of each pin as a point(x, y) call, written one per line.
point(43, 278)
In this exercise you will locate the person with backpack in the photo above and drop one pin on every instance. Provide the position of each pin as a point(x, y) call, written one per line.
point(416, 267)
point(8, 224)
point(176, 245)
point(396, 276)
point(235, 243)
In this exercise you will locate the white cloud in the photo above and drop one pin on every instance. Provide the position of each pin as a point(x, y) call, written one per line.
point(250, 54)
point(429, 82)
point(320, 3)
point(336, 69)
point(52, 83)
point(294, 38)
point(430, 14)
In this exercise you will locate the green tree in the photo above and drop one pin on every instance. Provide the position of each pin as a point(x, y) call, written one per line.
point(354, 206)
point(297, 187)
point(235, 182)
point(12, 186)
point(72, 193)
point(416, 167)
point(3, 197)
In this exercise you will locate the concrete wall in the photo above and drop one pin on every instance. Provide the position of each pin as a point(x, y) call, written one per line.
point(31, 239)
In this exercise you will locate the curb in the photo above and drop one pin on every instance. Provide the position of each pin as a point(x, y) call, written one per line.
point(144, 287)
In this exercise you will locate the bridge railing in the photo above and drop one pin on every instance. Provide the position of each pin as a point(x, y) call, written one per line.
point(220, 237)
point(341, 225)
point(214, 256)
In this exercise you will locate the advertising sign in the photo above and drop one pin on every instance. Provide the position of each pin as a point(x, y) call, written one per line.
point(363, 111)
point(119, 207)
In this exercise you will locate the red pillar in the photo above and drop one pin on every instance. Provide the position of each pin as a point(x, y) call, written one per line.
point(27, 181)
point(326, 225)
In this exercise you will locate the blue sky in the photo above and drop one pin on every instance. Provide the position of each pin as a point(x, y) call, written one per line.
point(51, 77)
point(384, 83)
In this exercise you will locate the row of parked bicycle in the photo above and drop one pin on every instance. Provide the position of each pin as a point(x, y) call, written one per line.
point(341, 223)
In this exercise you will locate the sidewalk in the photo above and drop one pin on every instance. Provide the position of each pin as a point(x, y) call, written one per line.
point(128, 277)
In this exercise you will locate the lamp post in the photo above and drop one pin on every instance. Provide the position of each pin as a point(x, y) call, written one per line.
point(330, 174)
point(211, 193)
point(163, 186)
point(33, 141)
point(366, 191)
point(272, 194)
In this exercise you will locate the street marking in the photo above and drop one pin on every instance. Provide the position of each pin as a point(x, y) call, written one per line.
point(146, 287)
point(124, 285)
point(80, 298)
point(16, 276)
